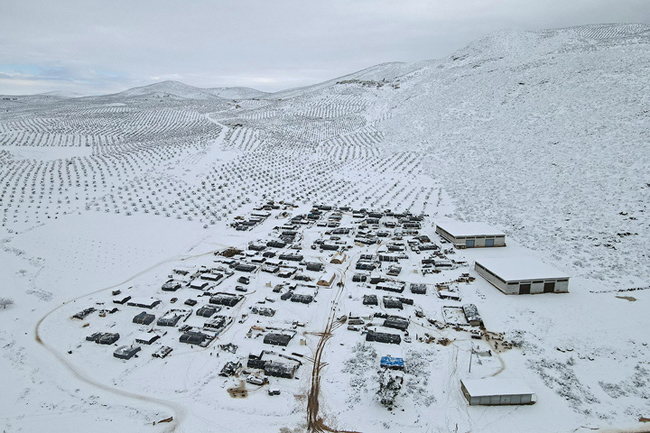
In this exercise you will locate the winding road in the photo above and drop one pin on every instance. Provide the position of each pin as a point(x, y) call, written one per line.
point(178, 411)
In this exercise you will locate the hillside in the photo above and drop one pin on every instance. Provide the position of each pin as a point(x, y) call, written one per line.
point(547, 130)
point(167, 89)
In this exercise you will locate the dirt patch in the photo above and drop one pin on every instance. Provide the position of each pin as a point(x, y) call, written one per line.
point(238, 391)
point(627, 298)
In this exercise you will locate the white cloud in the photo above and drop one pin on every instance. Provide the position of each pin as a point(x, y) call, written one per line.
point(269, 44)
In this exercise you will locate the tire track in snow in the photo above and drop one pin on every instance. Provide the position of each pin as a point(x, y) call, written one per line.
point(178, 410)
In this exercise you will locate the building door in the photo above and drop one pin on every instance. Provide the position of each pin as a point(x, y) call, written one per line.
point(489, 242)
point(469, 243)
point(549, 287)
point(524, 289)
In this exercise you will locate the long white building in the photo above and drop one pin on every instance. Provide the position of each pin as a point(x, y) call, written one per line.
point(522, 275)
point(470, 235)
point(494, 391)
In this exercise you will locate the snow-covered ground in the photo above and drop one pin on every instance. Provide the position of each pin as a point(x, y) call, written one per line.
point(543, 135)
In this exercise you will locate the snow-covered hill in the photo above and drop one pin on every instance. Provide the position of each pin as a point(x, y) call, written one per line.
point(236, 92)
point(167, 89)
point(547, 130)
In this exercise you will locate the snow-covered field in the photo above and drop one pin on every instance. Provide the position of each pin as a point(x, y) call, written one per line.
point(544, 135)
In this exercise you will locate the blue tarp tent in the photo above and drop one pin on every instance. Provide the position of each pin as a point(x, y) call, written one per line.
point(390, 362)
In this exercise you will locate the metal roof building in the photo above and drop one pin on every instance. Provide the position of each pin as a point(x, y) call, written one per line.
point(496, 391)
point(522, 275)
point(470, 235)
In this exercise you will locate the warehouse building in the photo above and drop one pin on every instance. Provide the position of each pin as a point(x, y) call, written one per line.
point(471, 235)
point(522, 275)
point(494, 391)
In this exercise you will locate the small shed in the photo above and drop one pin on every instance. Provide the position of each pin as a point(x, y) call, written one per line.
point(144, 318)
point(171, 286)
point(329, 247)
point(390, 302)
point(262, 311)
point(255, 361)
point(126, 352)
point(230, 368)
point(199, 284)
point(472, 315)
point(522, 275)
point(206, 311)
point(245, 267)
point(143, 302)
point(217, 324)
point(391, 286)
point(147, 338)
point(324, 281)
point(396, 322)
point(370, 300)
point(365, 266)
point(193, 337)
point(383, 337)
point(276, 244)
point(162, 352)
point(470, 235)
point(278, 369)
point(359, 278)
point(211, 276)
point(314, 266)
point(494, 391)
point(277, 339)
point(385, 257)
point(227, 299)
point(170, 319)
point(305, 299)
point(418, 289)
point(108, 338)
point(338, 258)
point(291, 257)
point(257, 247)
point(394, 270)
point(121, 299)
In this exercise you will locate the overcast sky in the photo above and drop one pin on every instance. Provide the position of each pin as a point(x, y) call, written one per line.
point(104, 46)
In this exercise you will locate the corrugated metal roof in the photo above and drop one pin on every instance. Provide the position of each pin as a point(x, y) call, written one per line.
point(457, 228)
point(495, 386)
point(521, 268)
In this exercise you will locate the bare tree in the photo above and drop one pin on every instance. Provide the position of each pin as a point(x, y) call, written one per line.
point(4, 302)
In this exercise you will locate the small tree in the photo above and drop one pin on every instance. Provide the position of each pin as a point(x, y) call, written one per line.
point(4, 302)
